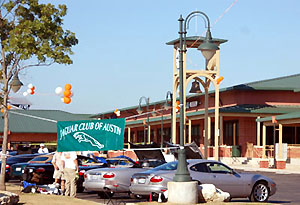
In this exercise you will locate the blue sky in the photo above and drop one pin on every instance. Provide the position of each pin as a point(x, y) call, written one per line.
point(122, 54)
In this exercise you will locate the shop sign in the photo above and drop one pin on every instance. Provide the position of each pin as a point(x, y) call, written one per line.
point(90, 135)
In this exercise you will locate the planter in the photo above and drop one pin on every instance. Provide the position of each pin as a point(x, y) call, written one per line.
point(264, 163)
point(236, 151)
point(280, 164)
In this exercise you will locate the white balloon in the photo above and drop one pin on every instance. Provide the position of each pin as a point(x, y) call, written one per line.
point(62, 99)
point(25, 94)
point(29, 91)
point(30, 86)
point(59, 90)
point(72, 94)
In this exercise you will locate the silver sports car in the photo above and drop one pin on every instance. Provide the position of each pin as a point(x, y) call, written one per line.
point(107, 181)
point(239, 185)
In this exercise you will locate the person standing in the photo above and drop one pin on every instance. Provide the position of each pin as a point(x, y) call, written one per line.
point(43, 149)
point(58, 171)
point(70, 167)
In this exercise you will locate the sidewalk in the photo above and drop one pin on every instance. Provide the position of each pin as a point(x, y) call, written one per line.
point(248, 167)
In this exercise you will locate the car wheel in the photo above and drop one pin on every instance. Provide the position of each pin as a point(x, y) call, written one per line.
point(80, 189)
point(260, 192)
point(105, 195)
point(132, 195)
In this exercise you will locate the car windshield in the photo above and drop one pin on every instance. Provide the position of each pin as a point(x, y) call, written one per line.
point(39, 159)
point(119, 161)
point(84, 161)
point(18, 159)
point(167, 166)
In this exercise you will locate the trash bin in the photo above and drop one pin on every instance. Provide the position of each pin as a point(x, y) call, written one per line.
point(236, 151)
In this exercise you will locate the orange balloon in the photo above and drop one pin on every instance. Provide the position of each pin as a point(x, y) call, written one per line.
point(2, 110)
point(8, 107)
point(32, 92)
point(68, 87)
point(67, 100)
point(32, 88)
point(67, 93)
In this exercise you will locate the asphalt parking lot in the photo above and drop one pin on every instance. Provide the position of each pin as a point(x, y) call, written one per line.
point(288, 186)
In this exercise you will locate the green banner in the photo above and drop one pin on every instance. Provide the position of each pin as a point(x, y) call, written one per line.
point(90, 135)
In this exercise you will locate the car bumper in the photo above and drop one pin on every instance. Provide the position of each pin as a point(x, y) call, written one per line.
point(147, 190)
point(104, 186)
point(273, 190)
point(94, 185)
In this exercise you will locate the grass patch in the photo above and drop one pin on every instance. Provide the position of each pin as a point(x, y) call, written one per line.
point(43, 199)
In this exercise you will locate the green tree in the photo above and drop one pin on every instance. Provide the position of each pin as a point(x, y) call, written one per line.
point(31, 34)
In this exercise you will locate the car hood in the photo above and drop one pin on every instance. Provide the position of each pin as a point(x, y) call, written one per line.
point(254, 176)
point(39, 165)
point(20, 164)
point(149, 154)
point(192, 151)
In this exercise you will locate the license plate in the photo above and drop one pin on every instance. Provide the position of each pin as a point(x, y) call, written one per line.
point(18, 169)
point(111, 182)
point(142, 181)
point(95, 177)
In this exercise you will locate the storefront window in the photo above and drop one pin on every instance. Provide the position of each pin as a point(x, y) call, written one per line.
point(231, 133)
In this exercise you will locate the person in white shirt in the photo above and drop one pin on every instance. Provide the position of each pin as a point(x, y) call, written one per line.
point(70, 167)
point(58, 170)
point(43, 149)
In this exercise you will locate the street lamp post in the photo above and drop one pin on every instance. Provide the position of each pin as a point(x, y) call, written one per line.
point(139, 110)
point(166, 107)
point(208, 49)
point(162, 129)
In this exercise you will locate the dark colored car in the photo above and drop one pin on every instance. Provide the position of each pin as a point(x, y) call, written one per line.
point(42, 173)
point(16, 159)
point(17, 170)
point(9, 152)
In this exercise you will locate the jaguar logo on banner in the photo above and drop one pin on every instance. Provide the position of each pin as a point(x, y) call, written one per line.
point(93, 135)
point(82, 137)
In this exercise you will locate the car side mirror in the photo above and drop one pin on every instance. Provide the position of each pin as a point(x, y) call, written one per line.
point(232, 172)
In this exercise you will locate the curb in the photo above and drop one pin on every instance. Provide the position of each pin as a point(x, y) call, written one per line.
point(277, 171)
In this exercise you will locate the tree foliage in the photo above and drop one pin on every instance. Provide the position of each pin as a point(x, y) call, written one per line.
point(31, 34)
point(31, 30)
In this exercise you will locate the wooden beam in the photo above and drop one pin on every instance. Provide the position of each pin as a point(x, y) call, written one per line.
point(258, 132)
point(128, 132)
point(209, 131)
point(264, 141)
point(190, 131)
point(280, 154)
point(221, 130)
point(234, 133)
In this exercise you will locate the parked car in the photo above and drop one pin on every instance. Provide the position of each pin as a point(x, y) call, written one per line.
point(239, 185)
point(120, 161)
point(17, 169)
point(107, 181)
point(45, 170)
point(9, 153)
point(16, 159)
